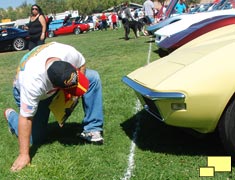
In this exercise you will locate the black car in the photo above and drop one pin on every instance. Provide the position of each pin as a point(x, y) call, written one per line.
point(13, 39)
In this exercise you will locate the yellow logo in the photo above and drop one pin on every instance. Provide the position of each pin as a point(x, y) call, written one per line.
point(72, 80)
point(216, 164)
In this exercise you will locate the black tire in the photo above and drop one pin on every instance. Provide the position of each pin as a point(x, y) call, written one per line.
point(77, 31)
point(162, 53)
point(227, 129)
point(51, 34)
point(19, 44)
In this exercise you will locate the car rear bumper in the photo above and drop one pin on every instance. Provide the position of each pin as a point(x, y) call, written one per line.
point(149, 98)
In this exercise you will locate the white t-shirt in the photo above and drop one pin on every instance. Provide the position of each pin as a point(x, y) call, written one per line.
point(32, 80)
point(148, 7)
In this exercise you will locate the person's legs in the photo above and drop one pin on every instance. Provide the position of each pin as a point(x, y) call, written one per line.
point(92, 103)
point(40, 42)
point(40, 120)
point(31, 45)
point(35, 43)
point(114, 25)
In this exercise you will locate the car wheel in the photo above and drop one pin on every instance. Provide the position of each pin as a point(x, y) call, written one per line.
point(19, 44)
point(51, 34)
point(77, 31)
point(227, 129)
point(162, 53)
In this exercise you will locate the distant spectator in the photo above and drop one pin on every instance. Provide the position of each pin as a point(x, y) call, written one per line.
point(77, 19)
point(37, 27)
point(127, 12)
point(149, 10)
point(48, 21)
point(181, 7)
point(114, 19)
point(95, 21)
point(104, 18)
point(67, 19)
point(110, 21)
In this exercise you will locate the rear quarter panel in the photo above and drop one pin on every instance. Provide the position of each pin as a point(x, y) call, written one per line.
point(203, 70)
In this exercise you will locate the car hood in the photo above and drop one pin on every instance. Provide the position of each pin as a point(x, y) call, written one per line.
point(190, 19)
point(185, 61)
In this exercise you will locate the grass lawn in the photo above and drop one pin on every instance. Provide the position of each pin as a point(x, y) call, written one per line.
point(159, 152)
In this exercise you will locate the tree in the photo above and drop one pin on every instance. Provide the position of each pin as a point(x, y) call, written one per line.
point(52, 6)
point(84, 7)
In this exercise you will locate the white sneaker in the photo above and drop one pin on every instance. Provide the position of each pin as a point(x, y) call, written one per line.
point(94, 137)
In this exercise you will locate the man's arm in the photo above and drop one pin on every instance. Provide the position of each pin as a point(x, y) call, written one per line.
point(24, 132)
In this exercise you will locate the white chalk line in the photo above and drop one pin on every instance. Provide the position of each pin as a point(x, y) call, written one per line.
point(131, 160)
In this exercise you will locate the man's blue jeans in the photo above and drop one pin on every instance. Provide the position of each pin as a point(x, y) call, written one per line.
point(92, 105)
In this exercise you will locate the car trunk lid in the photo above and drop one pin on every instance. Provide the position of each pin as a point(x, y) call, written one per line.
point(153, 74)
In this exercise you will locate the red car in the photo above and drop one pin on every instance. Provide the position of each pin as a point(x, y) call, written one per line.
point(70, 28)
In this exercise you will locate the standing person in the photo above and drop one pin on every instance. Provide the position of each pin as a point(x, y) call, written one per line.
point(110, 21)
point(67, 19)
point(104, 18)
point(95, 23)
point(180, 7)
point(149, 10)
point(127, 12)
point(41, 73)
point(37, 27)
point(114, 19)
point(48, 21)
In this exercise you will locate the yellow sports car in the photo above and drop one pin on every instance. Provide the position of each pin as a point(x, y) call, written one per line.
point(193, 87)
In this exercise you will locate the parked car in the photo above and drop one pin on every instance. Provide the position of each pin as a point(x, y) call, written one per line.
point(200, 8)
point(88, 20)
point(55, 24)
point(175, 41)
point(70, 28)
point(13, 39)
point(169, 16)
point(153, 28)
point(187, 21)
point(193, 87)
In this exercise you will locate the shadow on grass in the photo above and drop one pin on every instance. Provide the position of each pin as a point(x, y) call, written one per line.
point(150, 41)
point(155, 136)
point(161, 52)
point(66, 135)
point(129, 38)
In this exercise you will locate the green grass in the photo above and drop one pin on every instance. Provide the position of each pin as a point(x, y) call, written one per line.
point(162, 152)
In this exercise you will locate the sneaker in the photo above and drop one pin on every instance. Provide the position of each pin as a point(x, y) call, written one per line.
point(7, 113)
point(93, 137)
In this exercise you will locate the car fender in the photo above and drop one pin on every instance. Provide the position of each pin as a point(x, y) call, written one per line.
point(202, 70)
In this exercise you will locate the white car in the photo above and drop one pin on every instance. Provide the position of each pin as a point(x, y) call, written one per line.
point(186, 21)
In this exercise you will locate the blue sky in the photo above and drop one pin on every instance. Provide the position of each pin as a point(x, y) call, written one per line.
point(14, 3)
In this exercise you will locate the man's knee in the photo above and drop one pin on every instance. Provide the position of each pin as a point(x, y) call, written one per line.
point(92, 75)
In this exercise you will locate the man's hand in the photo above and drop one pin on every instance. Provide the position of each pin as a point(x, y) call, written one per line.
point(21, 161)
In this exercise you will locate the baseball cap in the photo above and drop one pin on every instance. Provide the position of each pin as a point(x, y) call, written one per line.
point(64, 75)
